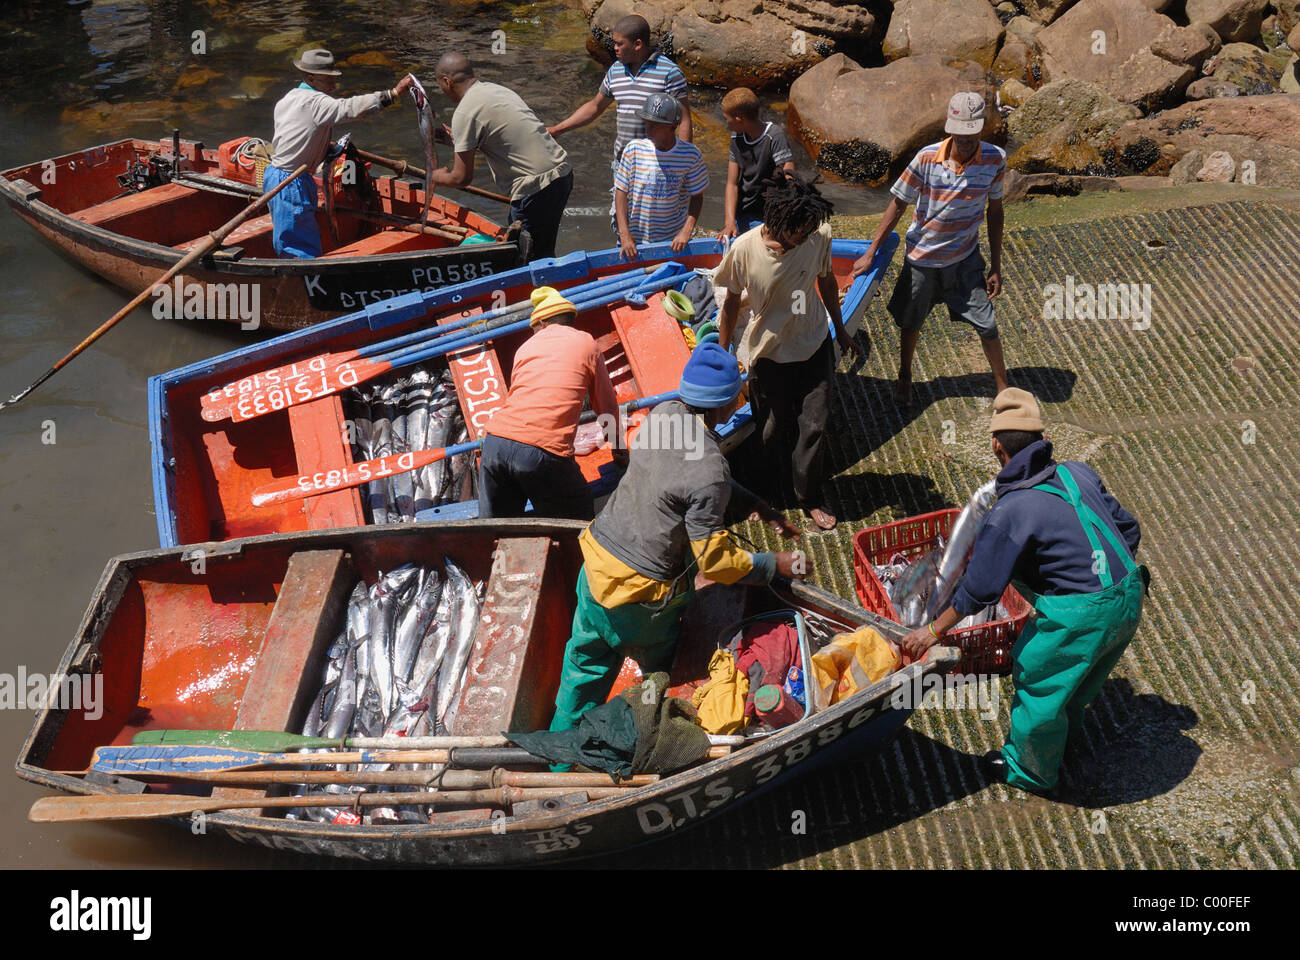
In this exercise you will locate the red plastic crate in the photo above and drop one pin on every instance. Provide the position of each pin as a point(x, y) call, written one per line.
point(985, 648)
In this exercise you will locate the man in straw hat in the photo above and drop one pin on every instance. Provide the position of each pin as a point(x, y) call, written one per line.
point(1068, 547)
point(304, 118)
point(635, 583)
point(950, 182)
point(528, 450)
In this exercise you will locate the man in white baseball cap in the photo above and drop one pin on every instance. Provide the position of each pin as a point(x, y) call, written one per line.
point(304, 120)
point(950, 182)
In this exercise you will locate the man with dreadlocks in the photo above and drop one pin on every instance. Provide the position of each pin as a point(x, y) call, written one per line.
point(784, 268)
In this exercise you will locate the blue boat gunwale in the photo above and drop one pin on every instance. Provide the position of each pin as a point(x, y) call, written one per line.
point(411, 306)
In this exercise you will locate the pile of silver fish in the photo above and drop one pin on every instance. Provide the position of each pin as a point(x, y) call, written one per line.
point(396, 669)
point(416, 412)
point(922, 588)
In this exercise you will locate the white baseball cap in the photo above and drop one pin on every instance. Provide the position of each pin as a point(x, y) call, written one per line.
point(965, 114)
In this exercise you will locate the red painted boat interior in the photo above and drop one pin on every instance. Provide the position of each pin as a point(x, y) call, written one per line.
point(219, 465)
point(184, 648)
point(84, 185)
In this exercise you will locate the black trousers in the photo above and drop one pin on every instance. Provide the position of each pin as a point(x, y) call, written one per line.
point(511, 473)
point(541, 213)
point(791, 407)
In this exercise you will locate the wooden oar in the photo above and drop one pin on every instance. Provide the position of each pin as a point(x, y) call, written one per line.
point(126, 760)
point(149, 806)
point(217, 404)
point(439, 777)
point(402, 168)
point(353, 372)
point(354, 475)
point(212, 241)
point(274, 741)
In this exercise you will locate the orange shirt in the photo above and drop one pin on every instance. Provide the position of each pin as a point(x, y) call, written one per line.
point(553, 373)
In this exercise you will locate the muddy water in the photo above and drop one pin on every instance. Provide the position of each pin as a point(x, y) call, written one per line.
point(74, 477)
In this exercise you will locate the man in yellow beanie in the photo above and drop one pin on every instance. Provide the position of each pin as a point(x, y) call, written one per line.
point(1068, 546)
point(528, 450)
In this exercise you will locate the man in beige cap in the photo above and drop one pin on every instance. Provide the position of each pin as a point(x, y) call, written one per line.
point(950, 182)
point(1068, 547)
point(304, 120)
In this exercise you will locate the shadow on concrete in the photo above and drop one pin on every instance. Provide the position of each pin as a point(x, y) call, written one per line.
point(1146, 756)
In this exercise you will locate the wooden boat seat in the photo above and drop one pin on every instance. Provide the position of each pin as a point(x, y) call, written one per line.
point(653, 344)
point(123, 207)
point(258, 228)
point(319, 428)
point(514, 668)
point(386, 241)
point(306, 616)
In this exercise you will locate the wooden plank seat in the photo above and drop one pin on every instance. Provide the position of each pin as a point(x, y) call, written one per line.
point(385, 241)
point(135, 203)
point(257, 228)
point(308, 610)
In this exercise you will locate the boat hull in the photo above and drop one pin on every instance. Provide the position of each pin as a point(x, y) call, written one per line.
point(290, 294)
point(857, 726)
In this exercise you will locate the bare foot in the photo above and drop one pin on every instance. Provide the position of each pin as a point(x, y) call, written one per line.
point(903, 392)
point(823, 518)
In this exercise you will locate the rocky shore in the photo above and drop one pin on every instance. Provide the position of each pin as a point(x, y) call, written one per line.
point(1079, 91)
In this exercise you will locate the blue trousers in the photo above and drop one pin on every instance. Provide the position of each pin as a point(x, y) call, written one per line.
point(541, 212)
point(295, 232)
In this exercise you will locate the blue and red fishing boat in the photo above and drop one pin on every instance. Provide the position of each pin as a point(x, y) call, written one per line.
point(225, 430)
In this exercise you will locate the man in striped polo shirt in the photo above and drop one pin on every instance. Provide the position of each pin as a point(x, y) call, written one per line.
point(638, 72)
point(660, 182)
point(950, 183)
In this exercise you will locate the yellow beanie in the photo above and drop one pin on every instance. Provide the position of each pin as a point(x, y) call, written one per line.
point(1015, 409)
point(547, 303)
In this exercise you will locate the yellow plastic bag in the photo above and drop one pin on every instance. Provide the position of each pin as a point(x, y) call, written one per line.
point(721, 701)
point(852, 662)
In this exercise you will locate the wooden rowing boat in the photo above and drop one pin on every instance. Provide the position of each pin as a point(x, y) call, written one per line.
point(131, 233)
point(232, 636)
point(204, 473)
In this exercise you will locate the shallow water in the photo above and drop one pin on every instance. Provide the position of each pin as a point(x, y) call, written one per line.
point(74, 457)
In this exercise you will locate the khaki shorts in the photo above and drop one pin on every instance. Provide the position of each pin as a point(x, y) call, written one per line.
point(959, 285)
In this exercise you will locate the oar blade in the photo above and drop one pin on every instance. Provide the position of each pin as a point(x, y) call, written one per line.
point(353, 475)
point(264, 741)
point(144, 806)
point(272, 399)
point(218, 402)
point(163, 759)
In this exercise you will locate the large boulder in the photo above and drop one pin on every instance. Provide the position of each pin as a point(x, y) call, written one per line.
point(1233, 20)
point(1262, 134)
point(1093, 115)
point(1058, 150)
point(752, 43)
point(1045, 11)
point(1248, 68)
point(1288, 17)
point(1108, 42)
point(866, 124)
point(964, 29)
point(1207, 87)
point(1187, 45)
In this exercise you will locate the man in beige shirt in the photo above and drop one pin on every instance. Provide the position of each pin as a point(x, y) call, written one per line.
point(784, 268)
point(522, 156)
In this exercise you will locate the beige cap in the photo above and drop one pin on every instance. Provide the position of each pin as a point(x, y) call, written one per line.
point(965, 114)
point(1016, 409)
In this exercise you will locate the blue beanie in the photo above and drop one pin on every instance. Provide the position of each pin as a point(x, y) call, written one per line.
point(711, 377)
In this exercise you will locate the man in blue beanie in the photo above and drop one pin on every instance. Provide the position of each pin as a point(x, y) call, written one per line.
point(634, 584)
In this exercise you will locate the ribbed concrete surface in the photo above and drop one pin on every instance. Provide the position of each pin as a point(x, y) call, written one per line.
point(1191, 756)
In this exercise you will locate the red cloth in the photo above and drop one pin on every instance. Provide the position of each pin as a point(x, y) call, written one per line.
point(765, 654)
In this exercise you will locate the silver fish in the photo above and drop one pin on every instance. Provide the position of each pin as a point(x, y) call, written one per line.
point(452, 671)
point(427, 118)
point(358, 613)
point(358, 406)
point(418, 397)
point(961, 540)
point(414, 623)
point(381, 446)
point(345, 699)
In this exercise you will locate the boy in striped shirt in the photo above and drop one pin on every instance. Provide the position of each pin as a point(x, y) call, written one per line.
point(950, 182)
point(660, 182)
point(638, 72)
